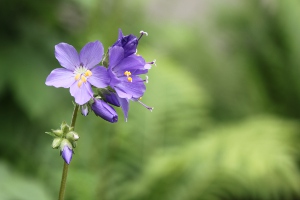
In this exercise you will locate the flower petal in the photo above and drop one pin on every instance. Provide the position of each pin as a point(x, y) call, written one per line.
point(60, 77)
point(125, 106)
point(67, 56)
point(116, 54)
point(134, 64)
point(134, 89)
point(120, 34)
point(91, 54)
point(81, 94)
point(100, 77)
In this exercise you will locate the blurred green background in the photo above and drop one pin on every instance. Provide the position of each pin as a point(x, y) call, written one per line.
point(226, 93)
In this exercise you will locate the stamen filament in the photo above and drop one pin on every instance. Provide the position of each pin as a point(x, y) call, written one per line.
point(142, 33)
point(149, 108)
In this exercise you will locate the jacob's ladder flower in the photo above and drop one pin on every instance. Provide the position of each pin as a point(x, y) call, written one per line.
point(79, 71)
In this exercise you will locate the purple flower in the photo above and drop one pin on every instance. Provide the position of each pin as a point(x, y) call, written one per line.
point(80, 71)
point(105, 111)
point(128, 42)
point(124, 72)
point(67, 154)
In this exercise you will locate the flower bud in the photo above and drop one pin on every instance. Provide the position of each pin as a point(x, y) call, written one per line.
point(72, 136)
point(67, 154)
point(104, 110)
point(84, 110)
point(65, 127)
point(56, 143)
point(112, 98)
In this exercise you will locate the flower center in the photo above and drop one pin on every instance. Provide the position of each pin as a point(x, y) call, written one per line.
point(127, 73)
point(81, 75)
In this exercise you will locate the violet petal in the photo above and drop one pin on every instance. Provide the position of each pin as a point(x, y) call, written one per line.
point(60, 77)
point(134, 89)
point(131, 63)
point(120, 34)
point(125, 106)
point(116, 54)
point(67, 56)
point(91, 54)
point(100, 77)
point(81, 94)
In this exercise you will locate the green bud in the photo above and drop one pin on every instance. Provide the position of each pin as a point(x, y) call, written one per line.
point(72, 136)
point(65, 127)
point(56, 143)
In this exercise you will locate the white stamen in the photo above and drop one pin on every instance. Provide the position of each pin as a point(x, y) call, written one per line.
point(153, 62)
point(143, 33)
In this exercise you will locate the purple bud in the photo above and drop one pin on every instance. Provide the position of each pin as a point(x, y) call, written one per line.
point(105, 111)
point(67, 154)
point(112, 98)
point(84, 110)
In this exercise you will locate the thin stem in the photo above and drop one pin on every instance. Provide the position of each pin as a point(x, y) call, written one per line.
point(66, 166)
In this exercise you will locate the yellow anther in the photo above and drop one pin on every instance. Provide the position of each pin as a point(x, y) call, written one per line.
point(88, 73)
point(127, 73)
point(129, 79)
point(79, 83)
point(140, 98)
point(83, 79)
point(77, 77)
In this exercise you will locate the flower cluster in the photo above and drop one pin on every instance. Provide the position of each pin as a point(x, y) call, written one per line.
point(99, 81)
point(97, 87)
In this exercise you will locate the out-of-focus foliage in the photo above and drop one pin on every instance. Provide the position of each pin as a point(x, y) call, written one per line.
point(16, 186)
point(225, 93)
point(251, 159)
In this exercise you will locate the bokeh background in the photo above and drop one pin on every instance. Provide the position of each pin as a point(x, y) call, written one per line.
point(226, 93)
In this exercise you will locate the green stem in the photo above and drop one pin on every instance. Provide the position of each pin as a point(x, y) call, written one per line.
point(66, 166)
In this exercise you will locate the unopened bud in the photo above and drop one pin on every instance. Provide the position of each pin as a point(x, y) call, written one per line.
point(65, 127)
point(56, 143)
point(72, 136)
